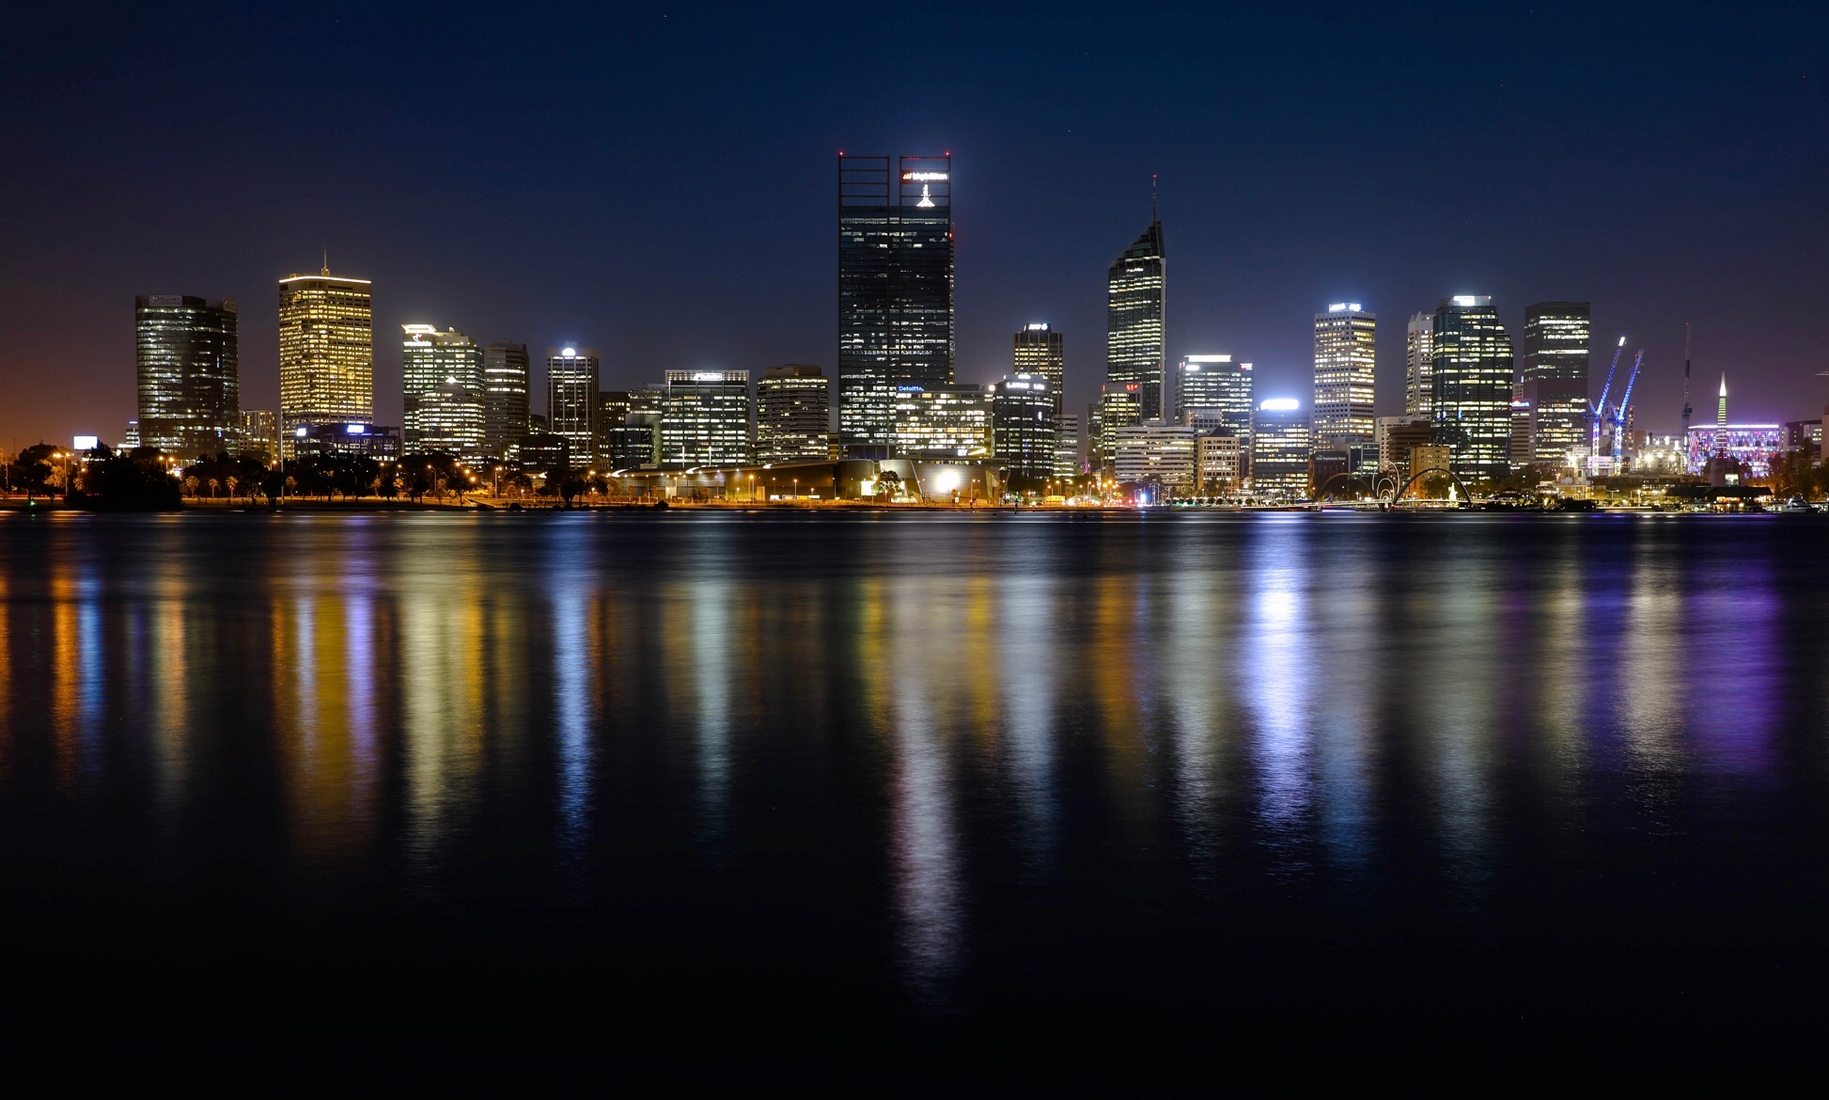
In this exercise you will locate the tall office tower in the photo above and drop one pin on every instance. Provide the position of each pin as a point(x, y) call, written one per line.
point(506, 386)
point(1472, 383)
point(442, 379)
point(571, 401)
point(705, 419)
point(1217, 383)
point(1279, 449)
point(190, 383)
point(1120, 406)
point(326, 352)
point(1023, 425)
point(1419, 365)
point(895, 289)
point(1067, 446)
point(1134, 318)
point(1556, 349)
point(793, 413)
point(1345, 348)
point(1037, 350)
point(259, 434)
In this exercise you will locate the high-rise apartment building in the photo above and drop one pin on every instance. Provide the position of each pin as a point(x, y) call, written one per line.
point(326, 351)
point(1345, 350)
point(705, 419)
point(895, 289)
point(442, 381)
point(1472, 381)
point(1419, 365)
point(506, 389)
point(1038, 349)
point(1023, 426)
point(1135, 319)
point(1557, 345)
point(793, 413)
point(1280, 449)
point(189, 374)
point(571, 400)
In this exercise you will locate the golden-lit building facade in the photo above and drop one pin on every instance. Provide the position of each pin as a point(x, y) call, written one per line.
point(326, 351)
point(941, 421)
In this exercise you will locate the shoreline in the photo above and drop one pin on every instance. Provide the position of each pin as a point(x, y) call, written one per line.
point(369, 506)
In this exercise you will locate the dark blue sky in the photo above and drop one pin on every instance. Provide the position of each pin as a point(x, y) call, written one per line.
point(658, 181)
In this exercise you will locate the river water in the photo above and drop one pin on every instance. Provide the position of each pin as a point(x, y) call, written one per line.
point(1039, 799)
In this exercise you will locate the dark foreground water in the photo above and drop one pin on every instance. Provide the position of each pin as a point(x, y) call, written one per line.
point(1041, 800)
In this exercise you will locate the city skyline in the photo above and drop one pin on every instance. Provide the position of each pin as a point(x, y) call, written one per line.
point(537, 261)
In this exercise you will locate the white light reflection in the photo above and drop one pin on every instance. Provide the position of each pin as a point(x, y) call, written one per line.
point(1027, 657)
point(925, 850)
point(1276, 656)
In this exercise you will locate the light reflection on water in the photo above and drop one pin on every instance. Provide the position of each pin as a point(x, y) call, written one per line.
point(913, 728)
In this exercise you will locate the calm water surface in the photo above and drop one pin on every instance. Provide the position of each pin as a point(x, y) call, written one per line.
point(1029, 797)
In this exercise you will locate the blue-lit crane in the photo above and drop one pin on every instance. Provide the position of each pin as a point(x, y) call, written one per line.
point(1598, 414)
point(1625, 404)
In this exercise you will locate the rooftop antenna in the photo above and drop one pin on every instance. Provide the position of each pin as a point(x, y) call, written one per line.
point(1153, 178)
point(1686, 407)
point(326, 261)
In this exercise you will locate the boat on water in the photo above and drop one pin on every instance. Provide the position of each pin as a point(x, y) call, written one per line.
point(1795, 506)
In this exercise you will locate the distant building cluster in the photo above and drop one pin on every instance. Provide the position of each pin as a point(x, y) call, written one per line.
point(1474, 409)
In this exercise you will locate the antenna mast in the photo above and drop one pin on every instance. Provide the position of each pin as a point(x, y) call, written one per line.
point(1686, 408)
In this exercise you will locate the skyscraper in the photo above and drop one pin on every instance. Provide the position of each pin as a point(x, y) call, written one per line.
point(189, 377)
point(442, 380)
point(793, 413)
point(705, 419)
point(506, 388)
point(1556, 350)
point(326, 351)
point(1134, 320)
point(1472, 382)
point(571, 400)
point(895, 289)
point(1345, 349)
point(1218, 383)
point(1419, 365)
point(1023, 425)
point(1037, 350)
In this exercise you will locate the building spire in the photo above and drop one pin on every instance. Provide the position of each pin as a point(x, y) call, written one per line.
point(326, 270)
point(1153, 178)
point(1721, 409)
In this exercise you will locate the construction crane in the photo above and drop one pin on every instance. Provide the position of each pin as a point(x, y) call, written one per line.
point(1620, 411)
point(1598, 413)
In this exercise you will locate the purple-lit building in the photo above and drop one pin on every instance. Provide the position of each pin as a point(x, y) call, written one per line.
point(1751, 445)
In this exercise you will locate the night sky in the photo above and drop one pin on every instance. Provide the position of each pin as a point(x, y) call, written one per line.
point(659, 182)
